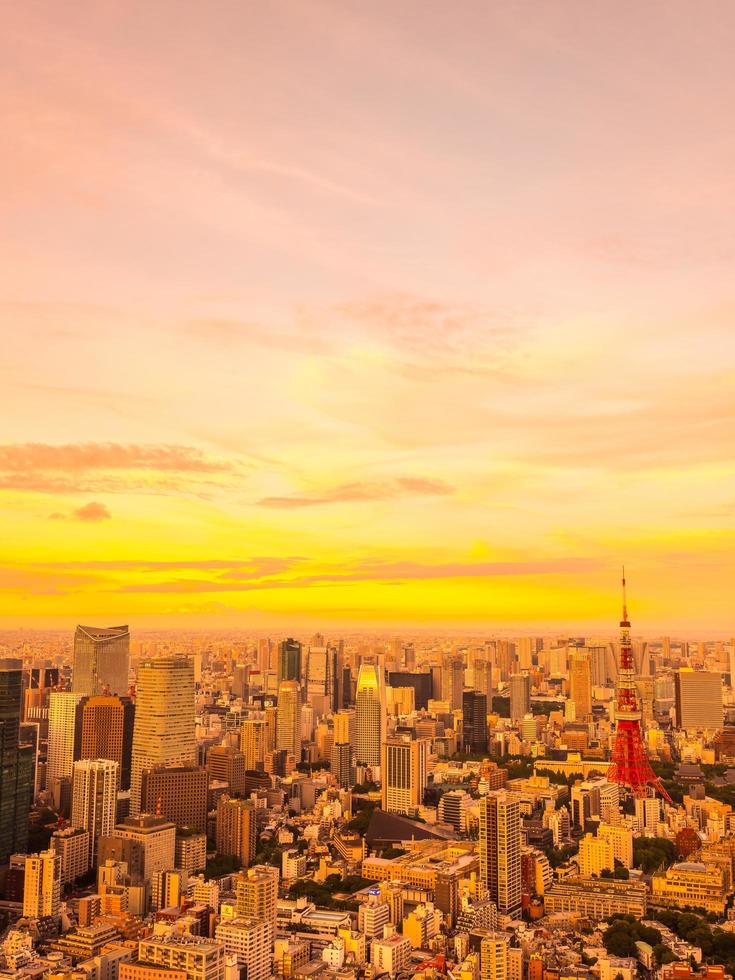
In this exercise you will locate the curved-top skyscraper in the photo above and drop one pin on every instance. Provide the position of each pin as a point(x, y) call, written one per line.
point(101, 660)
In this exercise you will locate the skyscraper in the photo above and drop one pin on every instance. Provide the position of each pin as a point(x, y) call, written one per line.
point(580, 683)
point(474, 713)
point(178, 793)
point(520, 696)
point(253, 742)
point(288, 726)
point(163, 733)
point(63, 736)
point(698, 699)
point(370, 717)
point(289, 660)
point(101, 660)
point(453, 682)
point(403, 774)
point(321, 678)
point(341, 763)
point(107, 732)
point(93, 799)
point(500, 849)
point(16, 768)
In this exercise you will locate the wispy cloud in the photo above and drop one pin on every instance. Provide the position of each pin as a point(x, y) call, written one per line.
point(91, 513)
point(32, 456)
point(404, 486)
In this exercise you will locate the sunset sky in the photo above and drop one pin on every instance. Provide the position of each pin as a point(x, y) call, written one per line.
point(414, 314)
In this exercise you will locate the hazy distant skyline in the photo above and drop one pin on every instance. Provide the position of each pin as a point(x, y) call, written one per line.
point(387, 314)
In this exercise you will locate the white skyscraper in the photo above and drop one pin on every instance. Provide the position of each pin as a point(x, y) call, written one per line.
point(94, 795)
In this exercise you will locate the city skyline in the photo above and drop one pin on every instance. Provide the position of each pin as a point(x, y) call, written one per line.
point(372, 318)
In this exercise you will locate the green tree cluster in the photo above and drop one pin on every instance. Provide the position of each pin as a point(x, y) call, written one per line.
point(624, 932)
point(649, 853)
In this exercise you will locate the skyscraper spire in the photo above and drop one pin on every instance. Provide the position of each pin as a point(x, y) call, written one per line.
point(630, 766)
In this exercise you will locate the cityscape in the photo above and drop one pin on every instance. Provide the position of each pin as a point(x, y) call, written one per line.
point(239, 808)
point(367, 490)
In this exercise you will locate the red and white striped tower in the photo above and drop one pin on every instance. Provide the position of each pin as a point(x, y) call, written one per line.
point(630, 766)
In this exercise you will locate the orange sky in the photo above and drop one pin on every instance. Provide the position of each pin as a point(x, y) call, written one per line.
point(377, 314)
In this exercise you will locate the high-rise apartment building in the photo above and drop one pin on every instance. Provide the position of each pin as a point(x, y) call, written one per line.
point(370, 715)
point(178, 793)
point(289, 661)
point(42, 885)
point(288, 724)
point(698, 699)
point(256, 893)
point(163, 733)
point(93, 799)
point(494, 949)
point(474, 727)
point(500, 850)
point(236, 829)
point(250, 941)
point(16, 770)
point(180, 955)
point(483, 678)
point(520, 696)
point(72, 846)
point(404, 774)
point(101, 660)
point(341, 764)
point(107, 731)
point(580, 683)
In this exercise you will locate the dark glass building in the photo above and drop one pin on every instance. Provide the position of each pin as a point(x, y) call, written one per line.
point(474, 712)
point(289, 660)
point(421, 684)
point(16, 764)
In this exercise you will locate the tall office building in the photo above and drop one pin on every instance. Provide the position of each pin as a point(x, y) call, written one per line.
point(288, 725)
point(500, 850)
point(370, 715)
point(178, 793)
point(227, 764)
point(698, 699)
point(520, 696)
point(404, 774)
point(453, 682)
point(101, 660)
point(42, 885)
point(163, 733)
point(253, 742)
point(580, 684)
point(474, 713)
point(63, 736)
point(321, 679)
point(289, 661)
point(107, 732)
point(483, 678)
point(235, 832)
point(93, 799)
point(16, 765)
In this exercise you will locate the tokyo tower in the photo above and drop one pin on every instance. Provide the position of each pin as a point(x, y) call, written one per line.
point(630, 766)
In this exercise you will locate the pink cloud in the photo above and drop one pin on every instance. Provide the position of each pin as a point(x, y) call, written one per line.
point(90, 513)
point(404, 486)
point(33, 456)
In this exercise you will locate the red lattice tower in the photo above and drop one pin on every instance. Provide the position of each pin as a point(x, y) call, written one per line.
point(630, 766)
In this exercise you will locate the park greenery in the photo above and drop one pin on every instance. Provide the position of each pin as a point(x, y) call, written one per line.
point(651, 853)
